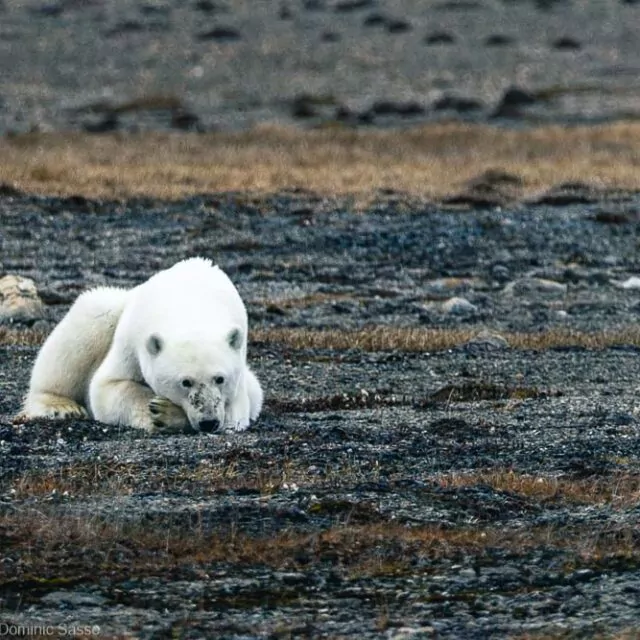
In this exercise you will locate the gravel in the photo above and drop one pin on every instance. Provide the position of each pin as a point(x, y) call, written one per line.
point(351, 442)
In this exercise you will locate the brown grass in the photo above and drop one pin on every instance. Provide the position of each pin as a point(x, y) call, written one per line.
point(432, 161)
point(619, 490)
point(43, 540)
point(111, 479)
point(266, 477)
point(407, 339)
point(21, 337)
point(421, 339)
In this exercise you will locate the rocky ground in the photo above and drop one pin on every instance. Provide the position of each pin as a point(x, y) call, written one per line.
point(450, 442)
point(390, 489)
point(128, 65)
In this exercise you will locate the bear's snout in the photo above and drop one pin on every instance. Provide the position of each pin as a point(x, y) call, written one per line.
point(209, 426)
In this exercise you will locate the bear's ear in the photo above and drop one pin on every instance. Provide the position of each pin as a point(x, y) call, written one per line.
point(234, 339)
point(154, 344)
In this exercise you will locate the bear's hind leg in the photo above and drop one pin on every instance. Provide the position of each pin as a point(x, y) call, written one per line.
point(64, 366)
point(49, 405)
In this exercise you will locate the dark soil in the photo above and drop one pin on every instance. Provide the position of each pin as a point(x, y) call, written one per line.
point(483, 491)
point(135, 64)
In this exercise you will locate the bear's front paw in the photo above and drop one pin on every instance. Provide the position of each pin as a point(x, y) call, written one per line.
point(233, 424)
point(166, 416)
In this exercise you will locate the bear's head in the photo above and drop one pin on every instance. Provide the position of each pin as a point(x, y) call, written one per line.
point(199, 375)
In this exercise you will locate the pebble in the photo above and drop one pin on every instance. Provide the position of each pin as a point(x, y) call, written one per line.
point(459, 307)
point(453, 284)
point(630, 283)
point(73, 599)
point(535, 286)
point(486, 341)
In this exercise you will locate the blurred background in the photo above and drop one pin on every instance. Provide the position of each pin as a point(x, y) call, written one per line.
point(206, 65)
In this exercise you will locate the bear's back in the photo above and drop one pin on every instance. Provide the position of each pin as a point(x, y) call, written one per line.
point(192, 295)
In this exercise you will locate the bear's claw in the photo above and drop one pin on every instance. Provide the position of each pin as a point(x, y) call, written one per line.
point(166, 416)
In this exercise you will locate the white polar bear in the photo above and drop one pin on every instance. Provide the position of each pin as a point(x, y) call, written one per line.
point(169, 353)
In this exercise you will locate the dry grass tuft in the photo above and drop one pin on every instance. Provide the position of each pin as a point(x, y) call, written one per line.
point(425, 340)
point(21, 337)
point(113, 479)
point(433, 161)
point(370, 339)
point(380, 548)
point(619, 490)
point(407, 339)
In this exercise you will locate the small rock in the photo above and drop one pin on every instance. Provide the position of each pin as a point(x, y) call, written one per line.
point(459, 306)
point(307, 105)
point(453, 284)
point(221, 34)
point(303, 107)
point(567, 193)
point(51, 10)
point(8, 190)
point(375, 20)
point(102, 124)
point(547, 5)
point(498, 40)
point(535, 286)
point(403, 109)
point(73, 599)
point(155, 9)
point(348, 6)
point(398, 26)
point(622, 419)
point(500, 273)
point(206, 6)
point(330, 36)
point(456, 103)
point(566, 44)
point(124, 27)
point(486, 197)
point(512, 102)
point(615, 217)
point(439, 37)
point(492, 188)
point(630, 283)
point(515, 96)
point(486, 341)
point(409, 633)
point(185, 120)
point(496, 177)
point(285, 13)
point(19, 300)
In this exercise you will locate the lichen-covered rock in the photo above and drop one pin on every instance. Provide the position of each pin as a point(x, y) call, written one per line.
point(19, 300)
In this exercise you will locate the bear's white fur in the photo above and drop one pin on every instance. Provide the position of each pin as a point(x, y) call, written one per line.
point(169, 353)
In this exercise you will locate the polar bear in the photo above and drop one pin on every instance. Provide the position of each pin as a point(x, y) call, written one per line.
point(169, 353)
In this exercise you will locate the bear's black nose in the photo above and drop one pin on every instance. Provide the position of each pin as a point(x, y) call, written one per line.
point(208, 426)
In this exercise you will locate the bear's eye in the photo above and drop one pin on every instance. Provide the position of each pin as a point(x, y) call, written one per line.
point(187, 383)
point(219, 379)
